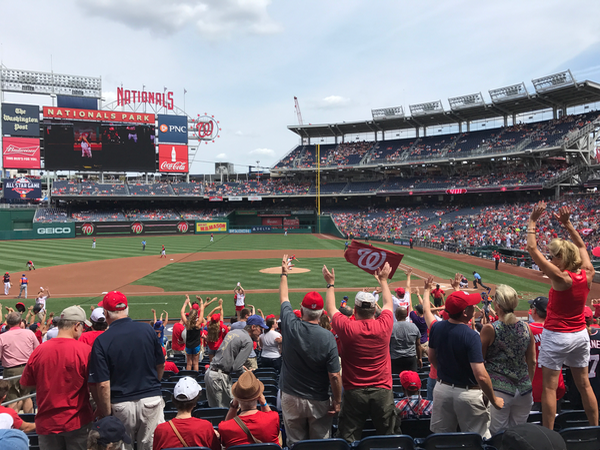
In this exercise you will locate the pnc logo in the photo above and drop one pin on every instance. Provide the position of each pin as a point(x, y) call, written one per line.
point(87, 229)
point(370, 259)
point(55, 230)
point(164, 128)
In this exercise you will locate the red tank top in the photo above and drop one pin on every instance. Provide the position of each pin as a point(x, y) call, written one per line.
point(565, 308)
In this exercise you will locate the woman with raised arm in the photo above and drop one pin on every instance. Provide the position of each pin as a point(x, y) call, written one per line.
point(508, 348)
point(565, 339)
point(193, 323)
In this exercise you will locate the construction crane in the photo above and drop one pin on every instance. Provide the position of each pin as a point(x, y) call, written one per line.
point(298, 113)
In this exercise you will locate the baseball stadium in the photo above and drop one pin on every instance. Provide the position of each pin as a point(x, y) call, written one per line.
point(389, 180)
point(99, 197)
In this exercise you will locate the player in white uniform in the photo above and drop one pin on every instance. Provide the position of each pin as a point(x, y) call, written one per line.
point(86, 148)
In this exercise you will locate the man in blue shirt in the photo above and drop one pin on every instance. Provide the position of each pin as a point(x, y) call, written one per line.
point(455, 351)
point(477, 279)
point(126, 366)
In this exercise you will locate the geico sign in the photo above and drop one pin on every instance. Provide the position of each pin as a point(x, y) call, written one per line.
point(57, 230)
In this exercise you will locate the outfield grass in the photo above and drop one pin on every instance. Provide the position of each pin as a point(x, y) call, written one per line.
point(198, 276)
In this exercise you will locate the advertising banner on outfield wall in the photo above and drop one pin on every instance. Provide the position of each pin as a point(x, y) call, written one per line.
point(274, 222)
point(212, 227)
point(172, 129)
point(133, 228)
point(259, 229)
point(54, 230)
point(20, 120)
point(20, 153)
point(22, 187)
point(240, 231)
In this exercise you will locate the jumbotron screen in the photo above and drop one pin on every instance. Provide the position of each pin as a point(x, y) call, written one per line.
point(95, 146)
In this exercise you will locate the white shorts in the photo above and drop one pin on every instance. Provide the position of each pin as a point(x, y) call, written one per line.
point(570, 349)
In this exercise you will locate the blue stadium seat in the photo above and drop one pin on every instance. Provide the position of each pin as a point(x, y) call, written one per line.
point(322, 444)
point(400, 442)
point(416, 428)
point(213, 415)
point(269, 446)
point(452, 441)
point(581, 438)
point(496, 440)
point(570, 419)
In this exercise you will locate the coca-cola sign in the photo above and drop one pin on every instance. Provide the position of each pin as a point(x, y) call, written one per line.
point(21, 153)
point(173, 158)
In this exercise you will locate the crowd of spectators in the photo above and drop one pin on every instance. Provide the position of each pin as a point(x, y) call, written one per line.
point(504, 225)
point(547, 133)
point(63, 215)
point(366, 362)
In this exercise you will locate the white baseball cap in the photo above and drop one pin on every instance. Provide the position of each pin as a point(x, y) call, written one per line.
point(364, 300)
point(186, 389)
point(6, 421)
point(98, 315)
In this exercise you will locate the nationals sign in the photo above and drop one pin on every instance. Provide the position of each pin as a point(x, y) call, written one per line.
point(173, 158)
point(90, 115)
point(21, 153)
point(370, 258)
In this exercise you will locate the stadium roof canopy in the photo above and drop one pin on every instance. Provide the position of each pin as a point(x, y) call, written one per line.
point(557, 92)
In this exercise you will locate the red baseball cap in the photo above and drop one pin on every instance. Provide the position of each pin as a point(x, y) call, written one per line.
point(270, 316)
point(114, 301)
point(588, 313)
point(196, 306)
point(410, 380)
point(459, 300)
point(215, 317)
point(400, 291)
point(444, 315)
point(313, 300)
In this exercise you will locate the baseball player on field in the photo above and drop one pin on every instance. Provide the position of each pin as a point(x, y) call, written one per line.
point(30, 265)
point(163, 252)
point(6, 283)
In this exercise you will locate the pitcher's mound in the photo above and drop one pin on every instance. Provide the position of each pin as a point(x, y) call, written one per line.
point(278, 270)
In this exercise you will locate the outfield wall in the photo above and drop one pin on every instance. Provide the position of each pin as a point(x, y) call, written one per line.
point(17, 224)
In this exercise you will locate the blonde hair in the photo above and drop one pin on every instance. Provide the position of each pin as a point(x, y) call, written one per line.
point(507, 299)
point(567, 251)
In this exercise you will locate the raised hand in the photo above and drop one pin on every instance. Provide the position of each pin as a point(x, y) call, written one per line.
point(564, 213)
point(538, 211)
point(329, 276)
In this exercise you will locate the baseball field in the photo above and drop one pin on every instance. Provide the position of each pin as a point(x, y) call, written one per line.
point(76, 273)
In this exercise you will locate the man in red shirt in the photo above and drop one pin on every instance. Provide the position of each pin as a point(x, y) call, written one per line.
point(538, 314)
point(98, 324)
point(366, 363)
point(58, 370)
point(177, 342)
point(438, 296)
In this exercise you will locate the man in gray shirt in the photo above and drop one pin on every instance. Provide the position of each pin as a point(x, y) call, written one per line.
point(310, 366)
point(251, 363)
point(230, 358)
point(405, 344)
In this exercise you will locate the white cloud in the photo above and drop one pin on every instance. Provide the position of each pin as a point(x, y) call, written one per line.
point(212, 18)
point(239, 133)
point(221, 156)
point(263, 151)
point(334, 101)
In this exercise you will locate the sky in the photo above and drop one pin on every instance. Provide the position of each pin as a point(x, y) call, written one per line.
point(243, 61)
